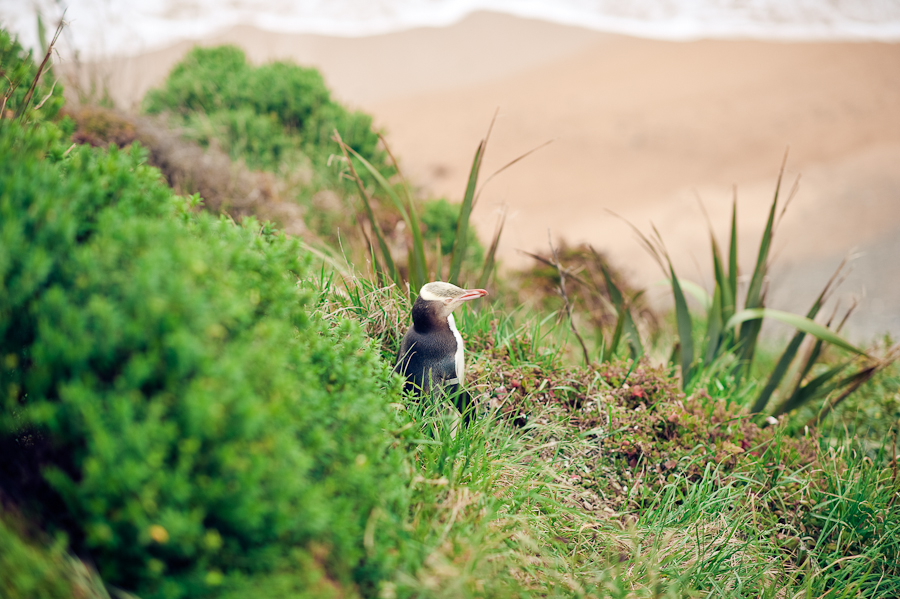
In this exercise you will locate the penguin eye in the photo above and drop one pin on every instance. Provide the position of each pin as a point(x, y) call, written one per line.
point(448, 300)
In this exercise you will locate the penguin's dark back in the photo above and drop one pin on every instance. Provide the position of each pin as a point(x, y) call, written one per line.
point(428, 347)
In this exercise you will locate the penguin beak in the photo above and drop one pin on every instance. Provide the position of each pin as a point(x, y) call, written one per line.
point(468, 294)
point(471, 294)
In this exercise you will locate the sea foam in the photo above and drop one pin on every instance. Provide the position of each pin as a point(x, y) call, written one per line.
point(103, 27)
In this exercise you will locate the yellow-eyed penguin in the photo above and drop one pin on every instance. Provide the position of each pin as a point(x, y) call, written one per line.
point(432, 349)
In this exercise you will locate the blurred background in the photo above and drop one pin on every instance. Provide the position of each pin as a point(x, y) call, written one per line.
point(657, 110)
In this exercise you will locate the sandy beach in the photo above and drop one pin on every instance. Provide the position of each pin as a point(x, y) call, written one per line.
point(641, 128)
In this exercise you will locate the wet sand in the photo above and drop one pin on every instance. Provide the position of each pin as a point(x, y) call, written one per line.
point(641, 128)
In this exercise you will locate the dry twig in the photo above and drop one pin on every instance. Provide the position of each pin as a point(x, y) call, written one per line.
point(27, 100)
point(562, 292)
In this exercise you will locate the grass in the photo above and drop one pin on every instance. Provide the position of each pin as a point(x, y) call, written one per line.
point(620, 480)
point(611, 482)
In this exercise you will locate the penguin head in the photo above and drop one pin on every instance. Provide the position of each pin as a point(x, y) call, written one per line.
point(443, 298)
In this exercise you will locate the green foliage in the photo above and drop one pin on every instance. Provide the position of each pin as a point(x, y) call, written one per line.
point(259, 139)
point(612, 306)
point(187, 420)
point(270, 116)
point(729, 343)
point(17, 73)
point(29, 570)
point(419, 268)
point(465, 210)
point(871, 415)
point(184, 398)
point(439, 218)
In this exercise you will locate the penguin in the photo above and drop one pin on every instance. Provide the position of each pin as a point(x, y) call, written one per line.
point(431, 354)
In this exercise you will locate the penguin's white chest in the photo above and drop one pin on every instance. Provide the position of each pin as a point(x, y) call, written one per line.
point(460, 358)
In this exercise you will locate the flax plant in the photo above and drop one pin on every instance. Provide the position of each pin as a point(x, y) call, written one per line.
point(733, 328)
point(420, 265)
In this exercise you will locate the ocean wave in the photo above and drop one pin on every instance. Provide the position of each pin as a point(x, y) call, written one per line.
point(104, 27)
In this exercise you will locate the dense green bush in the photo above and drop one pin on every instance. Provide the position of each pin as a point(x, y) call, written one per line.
point(267, 115)
point(167, 398)
point(440, 217)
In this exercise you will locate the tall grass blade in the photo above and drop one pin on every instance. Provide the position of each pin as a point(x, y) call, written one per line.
point(624, 321)
point(610, 352)
point(798, 322)
point(790, 351)
point(644, 241)
point(391, 268)
point(722, 307)
point(631, 331)
point(673, 356)
point(745, 346)
point(42, 37)
point(23, 107)
point(730, 308)
point(749, 333)
point(698, 293)
point(685, 330)
point(817, 387)
point(721, 279)
point(418, 261)
point(811, 357)
point(490, 259)
point(418, 264)
point(754, 292)
point(465, 210)
point(854, 382)
point(714, 328)
point(506, 166)
point(779, 371)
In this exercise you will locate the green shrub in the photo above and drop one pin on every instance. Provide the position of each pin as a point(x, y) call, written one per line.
point(167, 398)
point(439, 217)
point(258, 139)
point(264, 115)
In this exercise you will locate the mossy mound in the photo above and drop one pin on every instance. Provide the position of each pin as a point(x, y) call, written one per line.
point(636, 422)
